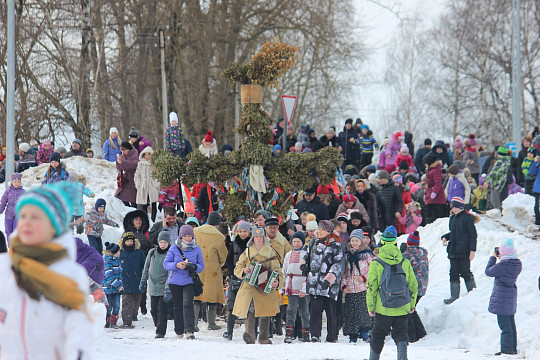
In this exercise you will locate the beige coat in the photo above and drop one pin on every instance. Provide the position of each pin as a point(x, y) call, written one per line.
point(147, 186)
point(265, 304)
point(214, 251)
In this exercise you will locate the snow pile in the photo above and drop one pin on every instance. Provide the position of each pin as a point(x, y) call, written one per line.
point(462, 330)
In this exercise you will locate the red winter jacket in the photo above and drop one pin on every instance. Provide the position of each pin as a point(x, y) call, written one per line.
point(408, 159)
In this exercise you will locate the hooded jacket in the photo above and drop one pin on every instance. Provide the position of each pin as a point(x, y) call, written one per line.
point(503, 299)
point(79, 205)
point(9, 200)
point(43, 154)
point(462, 236)
point(392, 151)
point(389, 253)
point(458, 186)
point(141, 233)
point(92, 261)
point(41, 329)
point(155, 273)
point(147, 186)
point(442, 156)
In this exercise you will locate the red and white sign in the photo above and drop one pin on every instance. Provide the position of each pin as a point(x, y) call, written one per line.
point(289, 103)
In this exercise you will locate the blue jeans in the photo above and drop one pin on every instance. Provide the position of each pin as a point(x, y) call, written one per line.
point(114, 304)
point(507, 324)
point(96, 243)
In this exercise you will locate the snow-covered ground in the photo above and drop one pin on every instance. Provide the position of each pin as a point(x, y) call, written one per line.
point(463, 330)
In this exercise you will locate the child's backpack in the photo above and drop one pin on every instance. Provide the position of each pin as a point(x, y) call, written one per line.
point(394, 288)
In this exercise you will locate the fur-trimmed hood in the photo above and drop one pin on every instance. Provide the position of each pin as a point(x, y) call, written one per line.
point(136, 242)
point(438, 162)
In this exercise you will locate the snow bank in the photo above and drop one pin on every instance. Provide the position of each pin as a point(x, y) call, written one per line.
point(463, 330)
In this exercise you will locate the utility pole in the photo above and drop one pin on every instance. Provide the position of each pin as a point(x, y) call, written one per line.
point(237, 114)
point(163, 83)
point(10, 116)
point(516, 73)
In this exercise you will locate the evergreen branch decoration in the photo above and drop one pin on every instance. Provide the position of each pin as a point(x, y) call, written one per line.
point(168, 168)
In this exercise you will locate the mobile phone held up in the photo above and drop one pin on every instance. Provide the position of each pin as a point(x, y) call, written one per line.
point(497, 251)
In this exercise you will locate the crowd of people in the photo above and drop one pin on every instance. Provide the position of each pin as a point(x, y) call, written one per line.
point(329, 258)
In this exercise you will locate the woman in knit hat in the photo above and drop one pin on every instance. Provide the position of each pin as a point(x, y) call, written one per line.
point(503, 301)
point(418, 256)
point(184, 256)
point(358, 257)
point(236, 248)
point(43, 289)
point(126, 164)
point(175, 141)
point(111, 147)
point(208, 146)
point(323, 265)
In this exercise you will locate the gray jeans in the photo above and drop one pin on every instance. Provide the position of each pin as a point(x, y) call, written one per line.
point(298, 304)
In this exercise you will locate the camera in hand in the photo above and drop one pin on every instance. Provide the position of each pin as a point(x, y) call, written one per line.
point(497, 251)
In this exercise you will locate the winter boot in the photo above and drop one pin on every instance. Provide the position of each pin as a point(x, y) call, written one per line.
point(278, 329)
point(231, 319)
point(211, 314)
point(144, 311)
point(108, 321)
point(264, 329)
point(113, 319)
point(470, 284)
point(288, 334)
point(401, 350)
point(249, 334)
point(196, 310)
point(305, 335)
point(373, 355)
point(454, 293)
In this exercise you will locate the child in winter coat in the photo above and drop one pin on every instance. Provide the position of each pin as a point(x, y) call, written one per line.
point(525, 165)
point(44, 152)
point(295, 287)
point(405, 156)
point(406, 198)
point(56, 171)
point(418, 256)
point(208, 146)
point(44, 292)
point(358, 256)
point(480, 195)
point(132, 260)
point(183, 258)
point(112, 283)
point(147, 187)
point(323, 265)
point(367, 144)
point(154, 277)
point(94, 221)
point(175, 141)
point(170, 197)
point(412, 218)
point(250, 301)
point(8, 202)
point(457, 185)
point(503, 299)
point(81, 190)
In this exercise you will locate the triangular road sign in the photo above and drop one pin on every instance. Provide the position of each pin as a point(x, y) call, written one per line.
point(289, 103)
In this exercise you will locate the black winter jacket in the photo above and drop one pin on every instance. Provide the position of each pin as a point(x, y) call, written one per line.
point(462, 236)
point(236, 248)
point(316, 206)
point(389, 202)
point(351, 151)
point(419, 162)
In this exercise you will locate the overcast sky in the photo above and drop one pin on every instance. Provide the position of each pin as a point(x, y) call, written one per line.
point(372, 96)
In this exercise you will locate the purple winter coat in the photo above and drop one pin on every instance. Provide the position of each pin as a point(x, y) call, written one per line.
point(129, 164)
point(392, 151)
point(181, 276)
point(503, 299)
point(92, 261)
point(143, 143)
point(9, 200)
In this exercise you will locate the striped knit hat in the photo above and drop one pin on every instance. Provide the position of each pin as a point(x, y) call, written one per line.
point(458, 202)
point(359, 234)
point(413, 239)
point(56, 200)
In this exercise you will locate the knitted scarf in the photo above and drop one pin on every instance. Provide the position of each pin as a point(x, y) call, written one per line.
point(30, 267)
point(354, 256)
point(186, 246)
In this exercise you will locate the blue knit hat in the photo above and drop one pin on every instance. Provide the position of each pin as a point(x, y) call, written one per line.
point(391, 229)
point(56, 200)
point(357, 233)
point(300, 236)
point(100, 203)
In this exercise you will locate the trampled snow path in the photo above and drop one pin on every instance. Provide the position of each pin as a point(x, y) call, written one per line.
point(463, 330)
